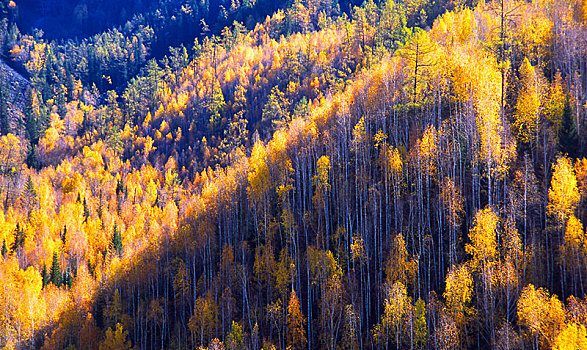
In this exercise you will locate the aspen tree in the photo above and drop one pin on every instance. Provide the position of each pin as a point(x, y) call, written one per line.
point(296, 332)
point(563, 194)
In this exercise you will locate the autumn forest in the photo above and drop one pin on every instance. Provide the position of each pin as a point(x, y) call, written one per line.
point(306, 174)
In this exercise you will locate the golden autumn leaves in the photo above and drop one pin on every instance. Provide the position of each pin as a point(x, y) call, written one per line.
point(425, 165)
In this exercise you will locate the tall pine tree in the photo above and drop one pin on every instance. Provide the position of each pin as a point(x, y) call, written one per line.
point(56, 270)
point(45, 276)
point(568, 138)
point(117, 241)
point(4, 96)
point(19, 238)
point(30, 117)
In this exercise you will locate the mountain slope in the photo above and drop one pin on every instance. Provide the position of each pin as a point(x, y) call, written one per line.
point(422, 198)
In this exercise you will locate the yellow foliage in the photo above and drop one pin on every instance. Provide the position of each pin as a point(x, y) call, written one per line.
point(359, 133)
point(573, 337)
point(563, 195)
point(543, 315)
point(323, 166)
point(483, 245)
point(259, 178)
point(116, 340)
point(397, 307)
point(427, 150)
point(94, 158)
point(23, 308)
point(358, 248)
point(538, 33)
point(12, 153)
point(476, 77)
point(528, 106)
point(394, 162)
point(574, 236)
point(455, 27)
point(459, 292)
point(400, 266)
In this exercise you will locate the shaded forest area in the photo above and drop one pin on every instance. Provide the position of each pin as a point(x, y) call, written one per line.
point(399, 175)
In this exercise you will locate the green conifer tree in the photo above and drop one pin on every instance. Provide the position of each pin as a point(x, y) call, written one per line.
point(19, 238)
point(4, 96)
point(45, 276)
point(30, 119)
point(117, 241)
point(56, 270)
point(568, 138)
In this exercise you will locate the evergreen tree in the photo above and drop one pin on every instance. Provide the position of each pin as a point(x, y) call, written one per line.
point(30, 194)
point(64, 234)
point(4, 95)
point(4, 248)
point(45, 276)
point(61, 100)
point(119, 187)
point(56, 271)
point(117, 241)
point(19, 238)
point(32, 160)
point(30, 119)
point(275, 109)
point(568, 139)
point(86, 210)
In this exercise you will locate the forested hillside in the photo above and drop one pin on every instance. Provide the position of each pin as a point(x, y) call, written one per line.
point(300, 175)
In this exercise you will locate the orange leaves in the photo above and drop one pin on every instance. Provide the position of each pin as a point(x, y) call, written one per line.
point(581, 172)
point(89, 334)
point(83, 289)
point(295, 323)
